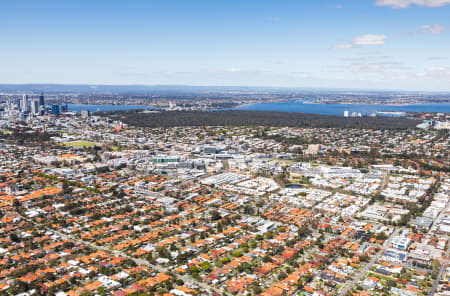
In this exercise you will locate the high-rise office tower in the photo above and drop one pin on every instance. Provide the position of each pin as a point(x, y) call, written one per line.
point(55, 110)
point(35, 107)
point(64, 108)
point(25, 105)
point(41, 100)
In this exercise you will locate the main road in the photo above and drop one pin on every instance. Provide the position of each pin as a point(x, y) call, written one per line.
point(365, 269)
point(444, 264)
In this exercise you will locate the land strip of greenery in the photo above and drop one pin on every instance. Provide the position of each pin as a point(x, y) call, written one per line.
point(256, 118)
point(24, 135)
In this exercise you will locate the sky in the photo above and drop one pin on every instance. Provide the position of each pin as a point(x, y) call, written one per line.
point(359, 44)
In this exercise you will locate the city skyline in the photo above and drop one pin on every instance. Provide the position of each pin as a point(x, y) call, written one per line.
point(370, 44)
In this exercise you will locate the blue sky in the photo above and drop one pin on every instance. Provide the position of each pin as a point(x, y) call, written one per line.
point(372, 44)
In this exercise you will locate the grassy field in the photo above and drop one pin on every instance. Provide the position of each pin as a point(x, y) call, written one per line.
point(77, 144)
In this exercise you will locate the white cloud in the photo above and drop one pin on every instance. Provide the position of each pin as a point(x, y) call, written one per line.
point(342, 46)
point(437, 73)
point(375, 68)
point(408, 3)
point(432, 30)
point(436, 69)
point(234, 70)
point(369, 39)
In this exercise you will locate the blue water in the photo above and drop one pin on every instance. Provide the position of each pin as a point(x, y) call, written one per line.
point(338, 109)
point(95, 108)
point(294, 106)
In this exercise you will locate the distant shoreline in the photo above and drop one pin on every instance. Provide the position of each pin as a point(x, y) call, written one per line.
point(271, 102)
point(341, 103)
point(291, 106)
point(352, 103)
point(340, 109)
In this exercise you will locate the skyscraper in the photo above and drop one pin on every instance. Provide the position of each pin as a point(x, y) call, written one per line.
point(55, 110)
point(9, 104)
point(25, 106)
point(41, 100)
point(64, 108)
point(35, 107)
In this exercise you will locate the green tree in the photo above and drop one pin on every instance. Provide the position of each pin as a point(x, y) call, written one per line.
point(14, 238)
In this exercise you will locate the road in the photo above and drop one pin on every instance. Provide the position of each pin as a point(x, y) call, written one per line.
point(437, 280)
point(442, 268)
point(365, 269)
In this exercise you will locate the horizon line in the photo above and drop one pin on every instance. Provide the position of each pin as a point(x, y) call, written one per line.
point(225, 86)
